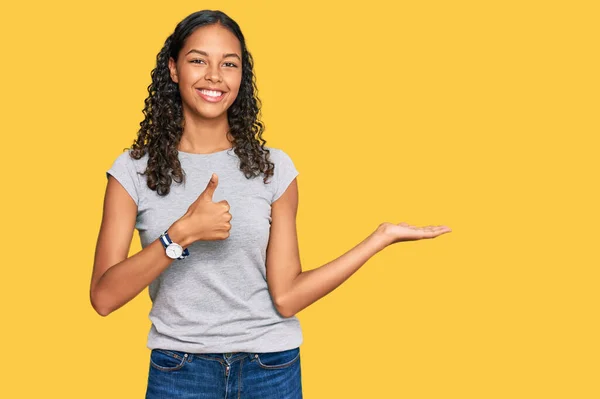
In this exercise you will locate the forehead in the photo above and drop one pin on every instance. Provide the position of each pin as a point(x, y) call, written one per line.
point(214, 39)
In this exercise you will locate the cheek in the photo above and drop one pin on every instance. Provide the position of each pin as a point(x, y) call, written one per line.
point(187, 74)
point(233, 94)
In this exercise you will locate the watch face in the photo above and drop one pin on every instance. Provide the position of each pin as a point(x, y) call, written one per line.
point(174, 251)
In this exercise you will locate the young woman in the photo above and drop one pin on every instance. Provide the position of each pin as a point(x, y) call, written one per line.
point(220, 253)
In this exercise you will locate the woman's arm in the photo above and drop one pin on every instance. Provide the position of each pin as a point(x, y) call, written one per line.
point(117, 279)
point(292, 289)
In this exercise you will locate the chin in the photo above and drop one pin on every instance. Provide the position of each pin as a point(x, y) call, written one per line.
point(209, 112)
point(212, 115)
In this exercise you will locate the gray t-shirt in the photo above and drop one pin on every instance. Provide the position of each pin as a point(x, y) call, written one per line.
point(217, 299)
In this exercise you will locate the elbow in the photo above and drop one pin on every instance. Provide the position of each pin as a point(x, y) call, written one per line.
point(285, 313)
point(283, 310)
point(102, 312)
point(98, 306)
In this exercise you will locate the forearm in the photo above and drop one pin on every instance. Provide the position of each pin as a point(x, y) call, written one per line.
point(125, 280)
point(311, 285)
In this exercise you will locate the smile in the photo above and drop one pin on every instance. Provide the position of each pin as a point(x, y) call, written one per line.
point(212, 96)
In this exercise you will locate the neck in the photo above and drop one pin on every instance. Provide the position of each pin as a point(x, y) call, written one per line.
point(202, 135)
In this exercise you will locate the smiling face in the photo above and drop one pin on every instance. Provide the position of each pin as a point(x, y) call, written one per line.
point(208, 71)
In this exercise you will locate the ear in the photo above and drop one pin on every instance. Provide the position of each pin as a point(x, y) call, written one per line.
point(173, 70)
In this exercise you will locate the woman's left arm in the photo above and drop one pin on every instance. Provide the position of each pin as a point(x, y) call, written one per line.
point(292, 289)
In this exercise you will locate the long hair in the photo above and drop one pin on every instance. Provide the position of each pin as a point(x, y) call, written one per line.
point(161, 130)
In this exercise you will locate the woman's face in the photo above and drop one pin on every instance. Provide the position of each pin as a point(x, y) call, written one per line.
point(208, 71)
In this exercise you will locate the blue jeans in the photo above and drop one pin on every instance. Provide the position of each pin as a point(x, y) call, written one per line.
point(243, 375)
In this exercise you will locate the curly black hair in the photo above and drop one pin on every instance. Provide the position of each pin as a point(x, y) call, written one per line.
point(161, 130)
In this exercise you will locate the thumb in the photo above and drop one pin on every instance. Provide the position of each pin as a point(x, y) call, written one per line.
point(211, 187)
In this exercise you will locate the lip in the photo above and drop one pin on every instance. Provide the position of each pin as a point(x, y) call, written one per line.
point(209, 98)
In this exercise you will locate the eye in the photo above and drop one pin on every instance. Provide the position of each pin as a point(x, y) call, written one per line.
point(232, 64)
point(194, 61)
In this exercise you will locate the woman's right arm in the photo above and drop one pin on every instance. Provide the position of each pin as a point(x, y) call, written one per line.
point(117, 279)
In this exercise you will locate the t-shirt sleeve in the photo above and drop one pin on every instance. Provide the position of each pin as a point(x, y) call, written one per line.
point(124, 171)
point(285, 172)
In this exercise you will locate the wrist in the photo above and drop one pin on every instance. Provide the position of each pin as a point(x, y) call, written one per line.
point(380, 239)
point(178, 233)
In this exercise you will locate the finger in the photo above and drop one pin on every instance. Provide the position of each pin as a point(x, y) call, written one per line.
point(226, 205)
point(211, 187)
point(441, 230)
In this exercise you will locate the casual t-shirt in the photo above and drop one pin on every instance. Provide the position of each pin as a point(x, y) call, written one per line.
point(217, 299)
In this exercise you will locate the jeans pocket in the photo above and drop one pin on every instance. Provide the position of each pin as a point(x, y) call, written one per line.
point(278, 360)
point(167, 360)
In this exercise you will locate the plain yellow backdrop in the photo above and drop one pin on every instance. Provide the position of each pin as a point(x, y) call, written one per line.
point(482, 116)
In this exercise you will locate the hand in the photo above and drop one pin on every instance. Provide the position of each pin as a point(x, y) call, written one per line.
point(205, 219)
point(393, 233)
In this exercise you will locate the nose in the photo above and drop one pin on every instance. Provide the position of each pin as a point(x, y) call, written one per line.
point(213, 74)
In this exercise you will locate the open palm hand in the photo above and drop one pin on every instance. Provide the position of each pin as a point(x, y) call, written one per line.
point(394, 233)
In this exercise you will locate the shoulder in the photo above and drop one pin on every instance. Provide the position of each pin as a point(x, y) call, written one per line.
point(278, 155)
point(285, 171)
point(127, 170)
point(125, 161)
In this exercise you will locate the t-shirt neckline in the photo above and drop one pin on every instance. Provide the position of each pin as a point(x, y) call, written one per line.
point(197, 155)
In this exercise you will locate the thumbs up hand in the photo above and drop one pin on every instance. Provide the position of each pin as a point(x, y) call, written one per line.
point(205, 219)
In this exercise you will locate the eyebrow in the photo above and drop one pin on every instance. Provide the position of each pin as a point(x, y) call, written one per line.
point(204, 53)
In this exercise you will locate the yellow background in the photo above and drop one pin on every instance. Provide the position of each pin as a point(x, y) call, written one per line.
point(479, 115)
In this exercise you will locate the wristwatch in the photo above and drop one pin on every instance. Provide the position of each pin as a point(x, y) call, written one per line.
point(173, 250)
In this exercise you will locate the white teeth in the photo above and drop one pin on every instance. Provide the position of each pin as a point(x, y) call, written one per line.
point(211, 93)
